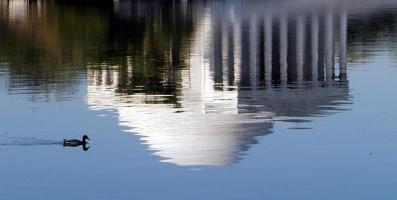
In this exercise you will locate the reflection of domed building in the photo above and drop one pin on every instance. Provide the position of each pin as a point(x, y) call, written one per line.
point(195, 100)
point(243, 70)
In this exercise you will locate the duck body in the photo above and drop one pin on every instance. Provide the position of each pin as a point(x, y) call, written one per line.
point(75, 142)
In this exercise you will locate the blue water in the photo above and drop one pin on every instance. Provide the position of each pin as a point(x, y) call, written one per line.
point(173, 123)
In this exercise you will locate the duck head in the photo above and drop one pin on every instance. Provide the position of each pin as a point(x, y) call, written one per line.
point(86, 140)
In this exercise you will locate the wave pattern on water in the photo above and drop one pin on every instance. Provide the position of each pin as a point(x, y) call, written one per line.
point(6, 140)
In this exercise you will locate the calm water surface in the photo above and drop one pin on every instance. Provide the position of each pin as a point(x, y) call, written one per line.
point(199, 99)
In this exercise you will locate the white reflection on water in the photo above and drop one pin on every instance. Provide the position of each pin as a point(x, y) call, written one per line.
point(227, 97)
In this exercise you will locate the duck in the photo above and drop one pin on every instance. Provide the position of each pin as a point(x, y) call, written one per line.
point(75, 142)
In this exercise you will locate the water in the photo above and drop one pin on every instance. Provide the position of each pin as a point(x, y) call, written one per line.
point(198, 99)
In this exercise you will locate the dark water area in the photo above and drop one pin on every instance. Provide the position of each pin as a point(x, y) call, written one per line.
point(198, 99)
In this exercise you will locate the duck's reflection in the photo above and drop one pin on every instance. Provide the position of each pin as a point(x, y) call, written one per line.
point(244, 69)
